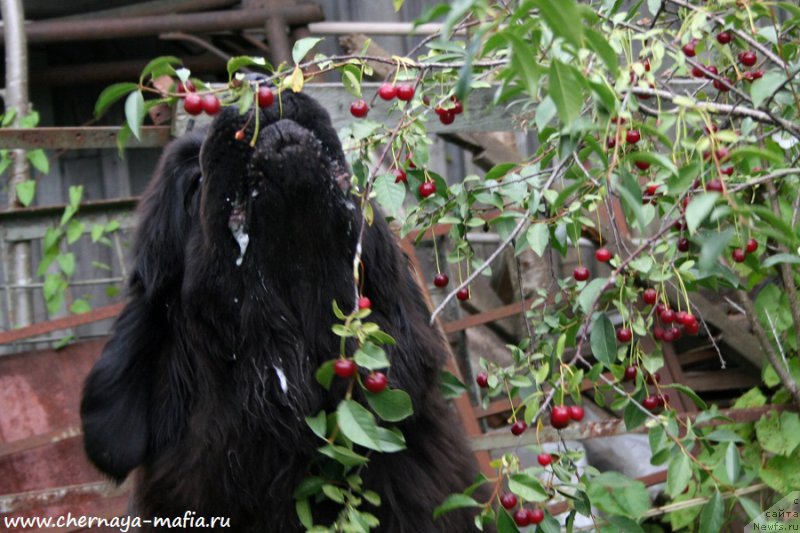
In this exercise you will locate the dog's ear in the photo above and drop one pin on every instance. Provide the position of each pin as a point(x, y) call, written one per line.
point(122, 420)
point(114, 408)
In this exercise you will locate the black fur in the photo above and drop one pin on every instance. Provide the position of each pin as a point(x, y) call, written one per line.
point(187, 389)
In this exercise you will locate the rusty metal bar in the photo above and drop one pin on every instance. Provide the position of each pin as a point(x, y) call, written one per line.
point(105, 72)
point(154, 7)
point(101, 313)
point(608, 428)
point(88, 30)
point(79, 137)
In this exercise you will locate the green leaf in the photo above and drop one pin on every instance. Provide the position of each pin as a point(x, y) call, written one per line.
point(781, 258)
point(712, 517)
point(236, 63)
point(324, 374)
point(358, 424)
point(524, 63)
point(134, 112)
point(39, 160)
point(565, 90)
point(80, 306)
point(450, 386)
point(631, 195)
point(603, 340)
point(751, 508)
point(617, 494)
point(712, 246)
point(111, 94)
point(74, 231)
point(699, 208)
point(392, 405)
point(600, 45)
point(538, 237)
point(390, 195)
point(343, 455)
point(654, 159)
point(563, 18)
point(391, 440)
point(686, 391)
point(779, 433)
point(303, 510)
point(67, 263)
point(679, 473)
point(303, 47)
point(453, 502)
point(505, 524)
point(633, 416)
point(26, 190)
point(371, 357)
point(318, 424)
point(763, 88)
point(732, 463)
point(527, 487)
point(351, 79)
point(590, 293)
point(397, 4)
point(623, 524)
point(160, 66)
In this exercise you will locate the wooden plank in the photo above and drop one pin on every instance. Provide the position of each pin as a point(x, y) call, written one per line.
point(37, 441)
point(80, 138)
point(61, 495)
point(485, 317)
point(721, 380)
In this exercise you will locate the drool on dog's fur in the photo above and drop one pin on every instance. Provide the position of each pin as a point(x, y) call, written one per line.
point(209, 372)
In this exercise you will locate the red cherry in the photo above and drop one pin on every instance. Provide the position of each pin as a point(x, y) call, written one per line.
point(405, 92)
point(642, 165)
point(714, 185)
point(650, 296)
point(441, 280)
point(518, 427)
point(344, 368)
point(723, 87)
point(624, 335)
point(676, 333)
point(576, 412)
point(521, 518)
point(559, 416)
point(376, 382)
point(753, 75)
point(426, 100)
point(683, 244)
point(630, 373)
point(658, 333)
point(654, 378)
point(463, 294)
point(689, 48)
point(711, 69)
point(618, 120)
point(728, 171)
point(668, 335)
point(427, 188)
point(447, 117)
point(652, 189)
point(738, 255)
point(482, 379)
point(211, 104)
point(680, 316)
point(692, 328)
point(359, 109)
point(185, 87)
point(688, 318)
point(399, 175)
point(193, 104)
point(544, 459)
point(713, 128)
point(508, 500)
point(748, 58)
point(458, 107)
point(387, 91)
point(603, 255)
point(697, 72)
point(611, 142)
point(724, 37)
point(439, 110)
point(632, 136)
point(667, 316)
point(239, 135)
point(266, 97)
point(535, 516)
point(650, 403)
point(580, 273)
point(646, 64)
point(751, 246)
point(364, 303)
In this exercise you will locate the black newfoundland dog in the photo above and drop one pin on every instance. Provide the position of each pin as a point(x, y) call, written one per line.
point(207, 378)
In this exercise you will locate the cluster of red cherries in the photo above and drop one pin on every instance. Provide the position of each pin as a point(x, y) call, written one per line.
point(653, 401)
point(672, 324)
point(375, 382)
point(522, 517)
point(195, 104)
point(441, 280)
point(747, 58)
